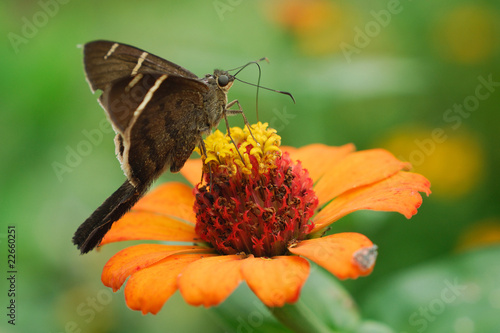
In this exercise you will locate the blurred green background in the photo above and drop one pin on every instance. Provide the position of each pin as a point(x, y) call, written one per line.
point(420, 78)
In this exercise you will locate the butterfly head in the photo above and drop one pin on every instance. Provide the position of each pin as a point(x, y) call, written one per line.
point(221, 78)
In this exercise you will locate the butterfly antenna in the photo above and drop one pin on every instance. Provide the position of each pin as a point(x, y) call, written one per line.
point(258, 80)
point(247, 64)
point(278, 91)
point(257, 95)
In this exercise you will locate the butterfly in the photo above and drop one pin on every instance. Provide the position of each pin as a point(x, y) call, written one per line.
point(159, 111)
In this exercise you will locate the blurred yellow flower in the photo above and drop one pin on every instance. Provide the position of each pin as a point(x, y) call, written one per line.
point(453, 162)
point(467, 34)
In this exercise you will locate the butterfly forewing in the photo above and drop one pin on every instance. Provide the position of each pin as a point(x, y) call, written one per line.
point(107, 61)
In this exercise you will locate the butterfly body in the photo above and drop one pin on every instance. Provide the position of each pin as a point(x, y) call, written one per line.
point(159, 112)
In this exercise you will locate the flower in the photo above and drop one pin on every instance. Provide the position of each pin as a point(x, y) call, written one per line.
point(481, 233)
point(317, 27)
point(431, 154)
point(257, 216)
point(465, 33)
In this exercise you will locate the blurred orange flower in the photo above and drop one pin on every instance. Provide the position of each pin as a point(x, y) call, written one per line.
point(317, 26)
point(256, 221)
point(482, 233)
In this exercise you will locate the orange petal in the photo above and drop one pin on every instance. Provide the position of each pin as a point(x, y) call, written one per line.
point(135, 258)
point(146, 225)
point(173, 199)
point(210, 281)
point(276, 281)
point(335, 253)
point(399, 193)
point(319, 158)
point(148, 289)
point(355, 170)
point(192, 170)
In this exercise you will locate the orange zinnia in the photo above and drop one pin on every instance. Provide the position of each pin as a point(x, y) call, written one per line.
point(256, 220)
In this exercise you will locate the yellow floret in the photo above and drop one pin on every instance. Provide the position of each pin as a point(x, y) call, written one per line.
point(264, 144)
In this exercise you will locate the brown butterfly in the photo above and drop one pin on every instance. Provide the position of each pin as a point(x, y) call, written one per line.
point(159, 112)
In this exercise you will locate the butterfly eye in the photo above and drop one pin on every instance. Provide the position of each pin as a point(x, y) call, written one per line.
point(223, 80)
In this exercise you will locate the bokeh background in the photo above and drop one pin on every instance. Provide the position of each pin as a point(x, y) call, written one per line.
point(420, 78)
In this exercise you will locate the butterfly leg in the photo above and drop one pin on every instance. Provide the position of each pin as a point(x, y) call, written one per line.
point(229, 134)
point(238, 111)
point(203, 151)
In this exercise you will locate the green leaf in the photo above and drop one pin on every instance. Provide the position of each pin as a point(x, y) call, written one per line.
point(325, 306)
point(329, 301)
point(458, 291)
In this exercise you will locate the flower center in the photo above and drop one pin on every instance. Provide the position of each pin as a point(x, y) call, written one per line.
point(259, 205)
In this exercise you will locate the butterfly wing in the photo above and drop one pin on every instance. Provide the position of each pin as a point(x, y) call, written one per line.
point(153, 105)
point(159, 122)
point(157, 111)
point(162, 130)
point(106, 61)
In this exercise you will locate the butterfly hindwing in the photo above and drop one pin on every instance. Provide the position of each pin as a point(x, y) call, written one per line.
point(146, 118)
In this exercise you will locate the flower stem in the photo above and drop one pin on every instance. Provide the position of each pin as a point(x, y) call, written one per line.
point(299, 318)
